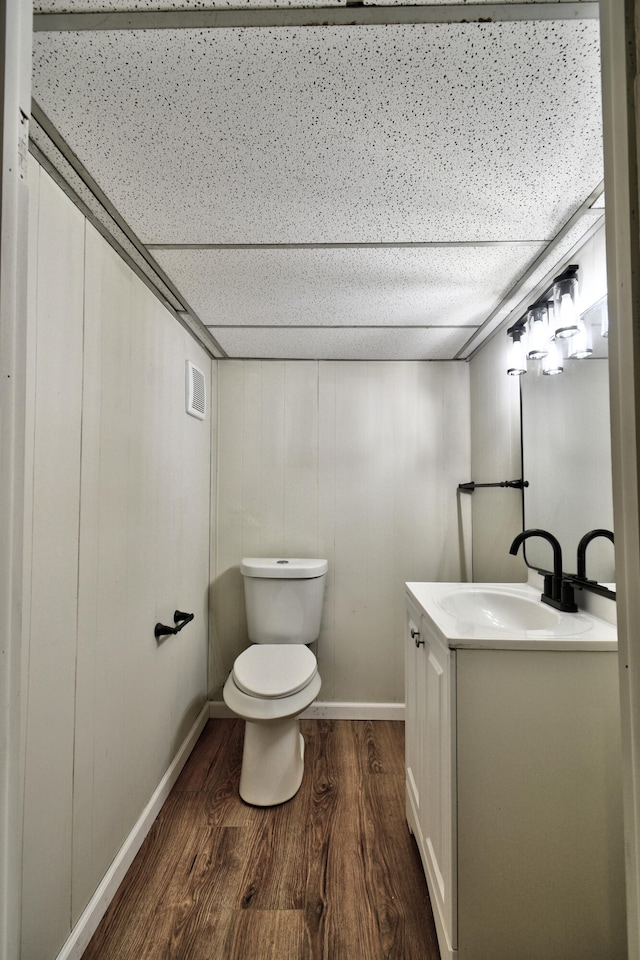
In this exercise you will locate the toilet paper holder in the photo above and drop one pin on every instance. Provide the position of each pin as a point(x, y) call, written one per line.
point(180, 620)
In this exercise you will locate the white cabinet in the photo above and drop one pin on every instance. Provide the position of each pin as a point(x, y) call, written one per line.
point(514, 796)
point(430, 733)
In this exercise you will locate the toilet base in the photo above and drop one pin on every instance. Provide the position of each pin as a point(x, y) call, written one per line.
point(272, 761)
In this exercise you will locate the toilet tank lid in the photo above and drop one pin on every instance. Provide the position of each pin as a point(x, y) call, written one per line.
point(283, 568)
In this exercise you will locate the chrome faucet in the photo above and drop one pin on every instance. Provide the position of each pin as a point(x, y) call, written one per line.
point(558, 592)
point(581, 572)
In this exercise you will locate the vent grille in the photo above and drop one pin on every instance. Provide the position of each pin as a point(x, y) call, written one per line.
point(196, 391)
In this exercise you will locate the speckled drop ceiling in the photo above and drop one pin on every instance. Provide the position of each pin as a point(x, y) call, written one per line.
point(481, 139)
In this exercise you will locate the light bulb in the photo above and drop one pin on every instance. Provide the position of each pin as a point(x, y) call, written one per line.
point(552, 363)
point(538, 331)
point(565, 306)
point(517, 359)
point(580, 345)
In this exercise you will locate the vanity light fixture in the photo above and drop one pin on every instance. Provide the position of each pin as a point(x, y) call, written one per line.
point(518, 358)
point(553, 320)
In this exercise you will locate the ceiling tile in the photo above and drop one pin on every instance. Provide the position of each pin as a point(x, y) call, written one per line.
point(346, 134)
point(311, 344)
point(94, 209)
point(346, 287)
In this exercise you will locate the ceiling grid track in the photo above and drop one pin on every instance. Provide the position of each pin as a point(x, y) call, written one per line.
point(328, 16)
point(399, 245)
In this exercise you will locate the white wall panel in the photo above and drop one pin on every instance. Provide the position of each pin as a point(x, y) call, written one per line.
point(327, 456)
point(226, 591)
point(30, 416)
point(251, 455)
point(593, 270)
point(495, 456)
point(103, 578)
point(359, 464)
point(272, 459)
point(214, 646)
point(144, 553)
point(350, 559)
point(56, 279)
point(118, 504)
point(300, 464)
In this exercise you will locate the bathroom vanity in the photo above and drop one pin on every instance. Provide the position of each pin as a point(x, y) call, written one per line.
point(513, 773)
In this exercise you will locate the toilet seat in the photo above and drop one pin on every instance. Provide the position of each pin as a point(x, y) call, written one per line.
point(274, 670)
point(261, 709)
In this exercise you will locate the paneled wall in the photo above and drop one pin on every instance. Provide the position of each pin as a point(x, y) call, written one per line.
point(56, 257)
point(118, 509)
point(357, 462)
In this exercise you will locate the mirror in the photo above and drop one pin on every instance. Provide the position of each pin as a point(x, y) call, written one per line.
point(566, 457)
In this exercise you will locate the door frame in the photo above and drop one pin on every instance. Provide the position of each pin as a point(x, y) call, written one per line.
point(621, 118)
point(618, 20)
point(15, 87)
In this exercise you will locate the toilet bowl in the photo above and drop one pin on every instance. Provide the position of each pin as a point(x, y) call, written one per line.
point(273, 753)
point(275, 679)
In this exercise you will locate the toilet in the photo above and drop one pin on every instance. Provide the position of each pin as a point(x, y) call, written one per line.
point(276, 678)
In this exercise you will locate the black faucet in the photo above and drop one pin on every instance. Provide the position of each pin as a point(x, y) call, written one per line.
point(558, 592)
point(581, 572)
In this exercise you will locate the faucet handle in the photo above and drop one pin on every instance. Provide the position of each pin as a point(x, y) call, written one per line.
point(567, 599)
point(558, 593)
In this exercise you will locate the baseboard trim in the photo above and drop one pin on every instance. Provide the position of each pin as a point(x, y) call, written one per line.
point(329, 711)
point(93, 913)
point(354, 711)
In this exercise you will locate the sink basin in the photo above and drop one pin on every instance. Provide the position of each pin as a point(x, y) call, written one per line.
point(502, 610)
point(505, 616)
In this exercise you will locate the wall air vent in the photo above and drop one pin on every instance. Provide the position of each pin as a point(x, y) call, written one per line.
point(196, 391)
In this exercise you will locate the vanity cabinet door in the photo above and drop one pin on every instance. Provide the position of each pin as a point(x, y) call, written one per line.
point(414, 719)
point(430, 769)
point(438, 802)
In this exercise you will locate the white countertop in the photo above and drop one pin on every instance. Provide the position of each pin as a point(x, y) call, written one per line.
point(574, 631)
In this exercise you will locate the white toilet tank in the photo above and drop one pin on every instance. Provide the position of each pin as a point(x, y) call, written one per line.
point(283, 598)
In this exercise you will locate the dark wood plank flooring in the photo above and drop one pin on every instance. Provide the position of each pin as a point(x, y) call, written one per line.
point(333, 874)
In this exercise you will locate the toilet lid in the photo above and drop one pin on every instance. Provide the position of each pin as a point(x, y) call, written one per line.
point(273, 670)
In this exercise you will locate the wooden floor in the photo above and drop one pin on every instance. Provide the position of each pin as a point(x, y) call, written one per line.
point(333, 874)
